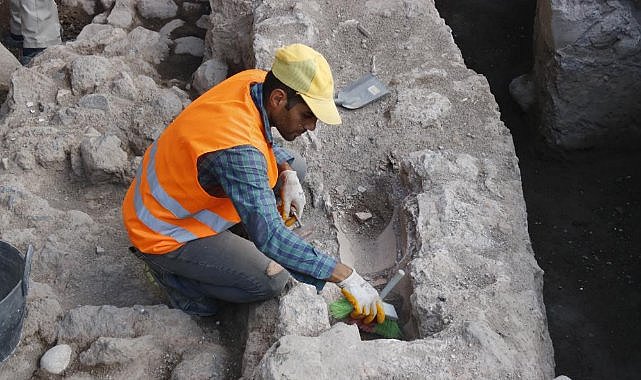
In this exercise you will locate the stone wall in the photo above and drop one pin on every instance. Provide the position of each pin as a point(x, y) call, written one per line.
point(587, 72)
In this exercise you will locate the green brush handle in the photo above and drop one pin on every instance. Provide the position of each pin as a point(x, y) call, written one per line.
point(392, 283)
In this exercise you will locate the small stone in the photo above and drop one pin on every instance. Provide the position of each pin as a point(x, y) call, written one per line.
point(140, 309)
point(363, 216)
point(64, 97)
point(361, 189)
point(57, 359)
point(363, 30)
point(203, 22)
point(29, 104)
point(99, 250)
point(340, 190)
point(5, 163)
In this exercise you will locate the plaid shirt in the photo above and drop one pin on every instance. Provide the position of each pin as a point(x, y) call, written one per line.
point(241, 173)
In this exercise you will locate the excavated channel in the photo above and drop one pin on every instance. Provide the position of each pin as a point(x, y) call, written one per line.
point(583, 207)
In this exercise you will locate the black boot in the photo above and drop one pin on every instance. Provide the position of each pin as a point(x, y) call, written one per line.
point(28, 54)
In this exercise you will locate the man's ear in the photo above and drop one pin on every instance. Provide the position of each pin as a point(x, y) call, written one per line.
point(277, 98)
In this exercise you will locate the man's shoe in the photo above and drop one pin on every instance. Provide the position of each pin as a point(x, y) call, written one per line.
point(11, 40)
point(202, 307)
point(28, 54)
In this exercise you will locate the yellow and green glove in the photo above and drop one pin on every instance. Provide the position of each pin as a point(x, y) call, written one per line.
point(365, 299)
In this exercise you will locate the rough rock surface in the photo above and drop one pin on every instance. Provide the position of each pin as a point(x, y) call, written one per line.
point(8, 64)
point(431, 163)
point(592, 50)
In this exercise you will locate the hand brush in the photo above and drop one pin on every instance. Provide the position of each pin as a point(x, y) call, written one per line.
point(389, 328)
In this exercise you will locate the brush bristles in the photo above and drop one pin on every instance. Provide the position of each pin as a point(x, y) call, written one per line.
point(388, 329)
point(340, 309)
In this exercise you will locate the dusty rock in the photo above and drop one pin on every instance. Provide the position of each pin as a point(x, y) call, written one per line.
point(90, 72)
point(122, 14)
point(123, 86)
point(110, 351)
point(95, 101)
point(89, 6)
point(64, 97)
point(203, 363)
point(275, 31)
point(586, 71)
point(85, 324)
point(302, 312)
point(209, 74)
point(189, 45)
point(94, 37)
point(426, 111)
point(337, 354)
point(107, 3)
point(171, 26)
point(363, 216)
point(157, 9)
point(56, 359)
point(141, 43)
point(229, 38)
point(203, 22)
point(103, 158)
point(262, 320)
point(192, 9)
point(523, 91)
point(8, 64)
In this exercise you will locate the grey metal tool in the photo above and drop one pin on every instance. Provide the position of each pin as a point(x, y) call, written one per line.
point(361, 92)
point(390, 310)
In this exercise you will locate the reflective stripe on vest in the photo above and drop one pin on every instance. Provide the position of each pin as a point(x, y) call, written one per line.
point(206, 217)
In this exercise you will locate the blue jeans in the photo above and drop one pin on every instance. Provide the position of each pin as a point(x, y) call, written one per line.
point(221, 267)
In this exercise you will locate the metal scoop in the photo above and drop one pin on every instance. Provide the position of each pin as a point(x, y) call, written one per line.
point(361, 92)
point(390, 311)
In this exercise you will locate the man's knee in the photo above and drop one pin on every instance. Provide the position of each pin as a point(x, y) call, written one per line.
point(277, 278)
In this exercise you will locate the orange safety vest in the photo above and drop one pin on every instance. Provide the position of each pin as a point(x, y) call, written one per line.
point(165, 206)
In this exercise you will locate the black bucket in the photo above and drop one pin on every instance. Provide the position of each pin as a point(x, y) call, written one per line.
point(14, 283)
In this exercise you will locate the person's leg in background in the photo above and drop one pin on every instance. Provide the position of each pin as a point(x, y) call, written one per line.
point(14, 38)
point(39, 26)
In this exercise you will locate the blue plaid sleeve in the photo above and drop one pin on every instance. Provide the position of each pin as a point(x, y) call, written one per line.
point(242, 173)
point(282, 155)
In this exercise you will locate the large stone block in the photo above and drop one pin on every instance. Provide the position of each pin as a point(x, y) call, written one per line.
point(587, 74)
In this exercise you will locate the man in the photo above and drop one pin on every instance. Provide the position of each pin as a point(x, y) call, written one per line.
point(34, 26)
point(214, 170)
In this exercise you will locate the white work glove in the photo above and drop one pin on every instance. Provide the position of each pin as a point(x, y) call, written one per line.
point(365, 299)
point(291, 193)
